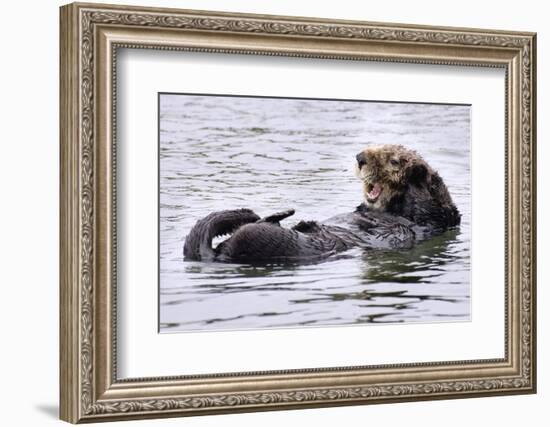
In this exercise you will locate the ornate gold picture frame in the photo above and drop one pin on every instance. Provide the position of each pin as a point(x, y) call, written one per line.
point(91, 36)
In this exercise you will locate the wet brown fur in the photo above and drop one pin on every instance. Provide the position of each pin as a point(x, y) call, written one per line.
point(414, 204)
point(410, 187)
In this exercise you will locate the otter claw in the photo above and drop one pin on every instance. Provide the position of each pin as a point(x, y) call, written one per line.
point(277, 217)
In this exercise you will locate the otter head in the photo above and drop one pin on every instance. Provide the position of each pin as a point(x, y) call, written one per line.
point(387, 172)
point(398, 180)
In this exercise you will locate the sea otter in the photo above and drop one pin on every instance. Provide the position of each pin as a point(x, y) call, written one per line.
point(405, 201)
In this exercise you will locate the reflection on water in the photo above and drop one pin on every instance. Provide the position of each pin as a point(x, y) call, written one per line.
point(272, 154)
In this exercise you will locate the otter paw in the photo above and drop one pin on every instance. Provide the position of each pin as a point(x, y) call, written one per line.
point(277, 217)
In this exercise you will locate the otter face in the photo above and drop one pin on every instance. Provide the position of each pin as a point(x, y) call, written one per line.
point(387, 171)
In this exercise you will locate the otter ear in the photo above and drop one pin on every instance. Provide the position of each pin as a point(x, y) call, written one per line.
point(416, 173)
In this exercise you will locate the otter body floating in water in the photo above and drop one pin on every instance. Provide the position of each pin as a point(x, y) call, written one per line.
point(405, 201)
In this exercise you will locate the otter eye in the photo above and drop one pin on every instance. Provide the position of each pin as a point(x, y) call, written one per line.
point(394, 162)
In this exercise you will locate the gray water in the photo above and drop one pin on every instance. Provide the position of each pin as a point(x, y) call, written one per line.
point(272, 154)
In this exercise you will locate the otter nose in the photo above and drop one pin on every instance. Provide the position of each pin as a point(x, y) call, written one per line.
point(361, 159)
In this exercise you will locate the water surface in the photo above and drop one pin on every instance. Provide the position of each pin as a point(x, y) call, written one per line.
point(271, 154)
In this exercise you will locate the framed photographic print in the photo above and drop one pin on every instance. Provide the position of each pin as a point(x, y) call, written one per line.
point(266, 212)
